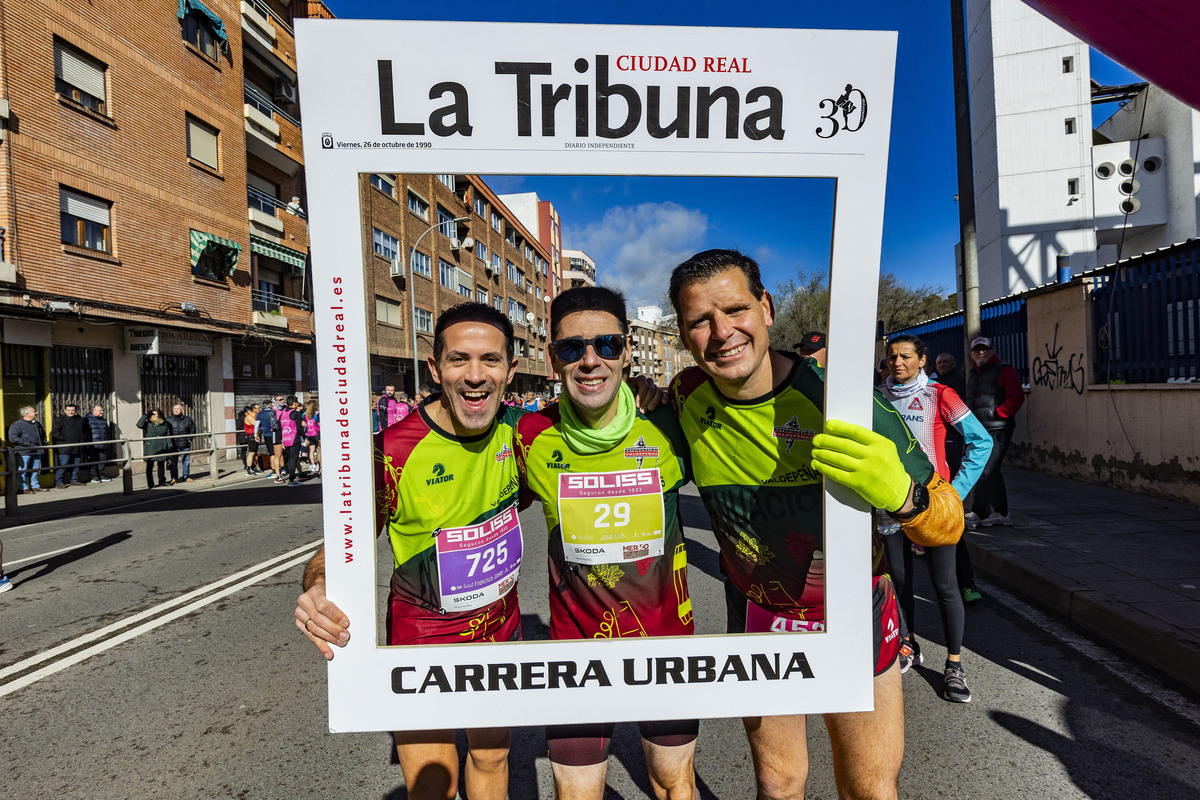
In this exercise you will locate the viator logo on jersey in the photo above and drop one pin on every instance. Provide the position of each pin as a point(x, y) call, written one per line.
point(709, 419)
point(616, 480)
point(505, 452)
point(641, 451)
point(439, 475)
point(791, 432)
point(556, 461)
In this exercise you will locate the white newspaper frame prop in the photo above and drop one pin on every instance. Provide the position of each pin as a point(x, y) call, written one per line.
point(811, 120)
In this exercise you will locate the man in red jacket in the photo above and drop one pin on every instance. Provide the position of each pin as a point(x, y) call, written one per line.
point(995, 394)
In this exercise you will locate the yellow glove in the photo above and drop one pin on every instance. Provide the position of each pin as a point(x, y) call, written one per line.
point(864, 461)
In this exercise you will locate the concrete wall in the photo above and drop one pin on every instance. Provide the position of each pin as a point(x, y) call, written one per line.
point(1139, 437)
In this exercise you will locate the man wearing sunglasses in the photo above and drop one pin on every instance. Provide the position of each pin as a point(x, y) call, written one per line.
point(608, 477)
point(752, 416)
point(445, 467)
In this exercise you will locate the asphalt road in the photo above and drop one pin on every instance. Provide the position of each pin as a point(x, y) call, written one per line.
point(149, 652)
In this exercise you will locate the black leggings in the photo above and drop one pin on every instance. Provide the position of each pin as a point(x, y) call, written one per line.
point(941, 562)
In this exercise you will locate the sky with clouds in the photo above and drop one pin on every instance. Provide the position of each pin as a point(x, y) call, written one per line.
point(637, 228)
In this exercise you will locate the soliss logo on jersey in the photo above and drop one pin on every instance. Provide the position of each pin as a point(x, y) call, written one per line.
point(791, 432)
point(556, 461)
point(641, 451)
point(709, 419)
point(439, 475)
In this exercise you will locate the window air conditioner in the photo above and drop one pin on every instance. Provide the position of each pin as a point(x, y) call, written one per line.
point(455, 244)
point(397, 268)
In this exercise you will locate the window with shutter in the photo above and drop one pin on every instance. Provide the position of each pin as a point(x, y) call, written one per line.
point(85, 220)
point(79, 77)
point(202, 142)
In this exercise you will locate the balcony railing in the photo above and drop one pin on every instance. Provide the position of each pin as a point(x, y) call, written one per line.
point(265, 10)
point(267, 204)
point(264, 104)
point(271, 301)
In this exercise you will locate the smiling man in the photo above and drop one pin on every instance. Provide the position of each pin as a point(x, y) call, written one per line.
point(608, 477)
point(443, 469)
point(754, 419)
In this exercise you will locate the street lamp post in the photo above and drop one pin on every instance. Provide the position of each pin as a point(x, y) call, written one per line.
point(412, 254)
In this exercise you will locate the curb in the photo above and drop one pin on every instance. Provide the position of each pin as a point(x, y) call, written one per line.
point(1121, 627)
point(67, 508)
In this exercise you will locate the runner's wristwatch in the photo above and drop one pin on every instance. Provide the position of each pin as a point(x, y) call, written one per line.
point(920, 502)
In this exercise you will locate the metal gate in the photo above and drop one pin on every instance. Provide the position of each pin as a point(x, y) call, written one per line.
point(167, 380)
point(83, 376)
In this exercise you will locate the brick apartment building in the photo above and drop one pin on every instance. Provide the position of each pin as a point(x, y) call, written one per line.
point(657, 349)
point(154, 242)
point(448, 238)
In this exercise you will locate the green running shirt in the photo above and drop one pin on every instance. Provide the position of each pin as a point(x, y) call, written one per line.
point(623, 580)
point(428, 480)
point(751, 461)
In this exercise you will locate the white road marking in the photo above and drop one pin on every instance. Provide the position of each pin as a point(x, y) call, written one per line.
point(51, 554)
point(151, 618)
point(1120, 666)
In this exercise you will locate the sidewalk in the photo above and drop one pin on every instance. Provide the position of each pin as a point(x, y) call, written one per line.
point(81, 499)
point(1123, 567)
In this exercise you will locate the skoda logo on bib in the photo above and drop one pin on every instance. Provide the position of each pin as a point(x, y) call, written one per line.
point(611, 517)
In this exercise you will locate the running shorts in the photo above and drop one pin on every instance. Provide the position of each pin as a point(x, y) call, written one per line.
point(586, 744)
point(885, 613)
point(412, 624)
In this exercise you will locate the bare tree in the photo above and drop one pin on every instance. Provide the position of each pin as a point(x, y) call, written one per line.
point(801, 305)
point(901, 306)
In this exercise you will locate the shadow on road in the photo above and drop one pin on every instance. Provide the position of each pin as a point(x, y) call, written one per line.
point(47, 565)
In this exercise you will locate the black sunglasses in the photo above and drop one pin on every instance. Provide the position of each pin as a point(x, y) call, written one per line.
point(570, 350)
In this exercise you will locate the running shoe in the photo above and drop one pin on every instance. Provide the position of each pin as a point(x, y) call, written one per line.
point(918, 550)
point(5, 583)
point(279, 480)
point(971, 594)
point(910, 655)
point(971, 519)
point(995, 518)
point(294, 483)
point(106, 480)
point(269, 474)
point(955, 689)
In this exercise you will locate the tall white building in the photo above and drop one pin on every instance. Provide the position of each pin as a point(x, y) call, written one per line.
point(1046, 182)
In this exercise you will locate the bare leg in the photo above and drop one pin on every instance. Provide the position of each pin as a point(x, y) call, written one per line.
point(487, 763)
point(868, 746)
point(579, 783)
point(780, 750)
point(672, 771)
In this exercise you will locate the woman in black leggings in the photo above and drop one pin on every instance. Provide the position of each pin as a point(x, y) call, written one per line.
point(931, 409)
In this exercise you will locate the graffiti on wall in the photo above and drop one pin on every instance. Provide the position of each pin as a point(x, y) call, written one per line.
point(1053, 372)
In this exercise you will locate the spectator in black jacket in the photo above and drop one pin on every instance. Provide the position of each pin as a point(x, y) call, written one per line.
point(28, 437)
point(99, 426)
point(155, 447)
point(180, 424)
point(71, 430)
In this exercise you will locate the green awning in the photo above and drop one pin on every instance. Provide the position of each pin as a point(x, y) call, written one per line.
point(265, 247)
point(228, 249)
point(218, 27)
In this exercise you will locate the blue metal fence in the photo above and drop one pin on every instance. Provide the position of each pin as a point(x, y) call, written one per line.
point(1146, 317)
point(1003, 321)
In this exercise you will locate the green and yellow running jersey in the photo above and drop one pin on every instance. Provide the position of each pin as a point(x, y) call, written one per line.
point(618, 565)
point(441, 499)
point(752, 462)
